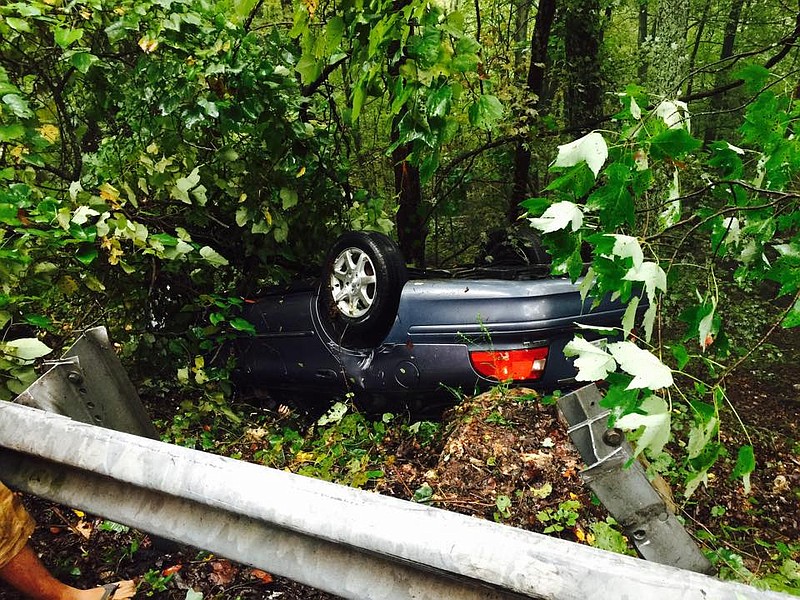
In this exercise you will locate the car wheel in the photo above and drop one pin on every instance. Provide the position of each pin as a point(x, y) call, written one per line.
point(361, 283)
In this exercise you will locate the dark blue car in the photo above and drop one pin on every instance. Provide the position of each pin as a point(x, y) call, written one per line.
point(396, 340)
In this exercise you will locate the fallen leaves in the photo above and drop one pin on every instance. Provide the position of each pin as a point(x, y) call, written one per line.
point(262, 576)
point(222, 572)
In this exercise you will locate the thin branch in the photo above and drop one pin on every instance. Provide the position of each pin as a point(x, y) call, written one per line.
point(787, 43)
point(323, 77)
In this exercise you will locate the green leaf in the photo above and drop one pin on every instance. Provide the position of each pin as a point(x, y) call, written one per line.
point(592, 362)
point(629, 318)
point(673, 143)
point(38, 321)
point(359, 95)
point(240, 324)
point(424, 48)
point(591, 149)
point(755, 77)
point(561, 215)
point(27, 349)
point(93, 283)
point(423, 493)
point(334, 31)
point(213, 257)
point(308, 67)
point(653, 277)
point(164, 239)
point(745, 465)
point(614, 200)
point(700, 435)
point(681, 355)
point(18, 105)
point(466, 58)
point(180, 191)
point(288, 197)
point(647, 370)
point(792, 319)
point(485, 112)
point(11, 132)
point(86, 254)
point(728, 159)
point(655, 423)
point(66, 37)
point(438, 104)
point(18, 24)
point(184, 184)
point(83, 61)
point(619, 399)
point(576, 181)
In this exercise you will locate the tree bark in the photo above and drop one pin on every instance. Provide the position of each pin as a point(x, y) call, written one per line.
point(535, 86)
point(642, 41)
point(411, 228)
point(717, 103)
point(670, 62)
point(701, 27)
point(584, 93)
point(522, 10)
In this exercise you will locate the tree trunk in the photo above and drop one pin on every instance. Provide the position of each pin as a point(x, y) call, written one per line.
point(698, 39)
point(642, 41)
point(411, 229)
point(670, 62)
point(584, 90)
point(522, 10)
point(535, 86)
point(717, 102)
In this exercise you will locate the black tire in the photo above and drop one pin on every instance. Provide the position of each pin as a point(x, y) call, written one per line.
point(363, 276)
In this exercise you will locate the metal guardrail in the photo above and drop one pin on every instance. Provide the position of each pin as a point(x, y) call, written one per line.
point(89, 384)
point(620, 483)
point(348, 542)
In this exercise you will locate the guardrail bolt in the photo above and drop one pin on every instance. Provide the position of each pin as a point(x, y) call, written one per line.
point(75, 377)
point(613, 437)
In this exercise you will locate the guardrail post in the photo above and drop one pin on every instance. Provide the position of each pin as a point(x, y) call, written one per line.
point(620, 483)
point(89, 384)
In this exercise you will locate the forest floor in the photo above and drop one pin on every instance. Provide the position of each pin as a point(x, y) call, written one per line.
point(497, 446)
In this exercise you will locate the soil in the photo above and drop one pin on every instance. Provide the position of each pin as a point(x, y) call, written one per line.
point(504, 443)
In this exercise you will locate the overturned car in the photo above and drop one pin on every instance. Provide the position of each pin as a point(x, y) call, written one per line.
point(393, 339)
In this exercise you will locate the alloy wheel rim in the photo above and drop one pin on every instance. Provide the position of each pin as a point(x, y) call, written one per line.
point(353, 282)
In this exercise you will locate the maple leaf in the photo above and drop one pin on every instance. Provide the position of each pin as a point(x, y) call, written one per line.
point(675, 114)
point(559, 216)
point(593, 362)
point(656, 424)
point(647, 370)
point(171, 570)
point(626, 246)
point(261, 575)
point(652, 275)
point(591, 148)
point(223, 572)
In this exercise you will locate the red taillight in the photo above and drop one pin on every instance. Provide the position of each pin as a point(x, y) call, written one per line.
point(516, 365)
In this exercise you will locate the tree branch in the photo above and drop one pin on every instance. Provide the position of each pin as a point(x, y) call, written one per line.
point(323, 77)
point(787, 43)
